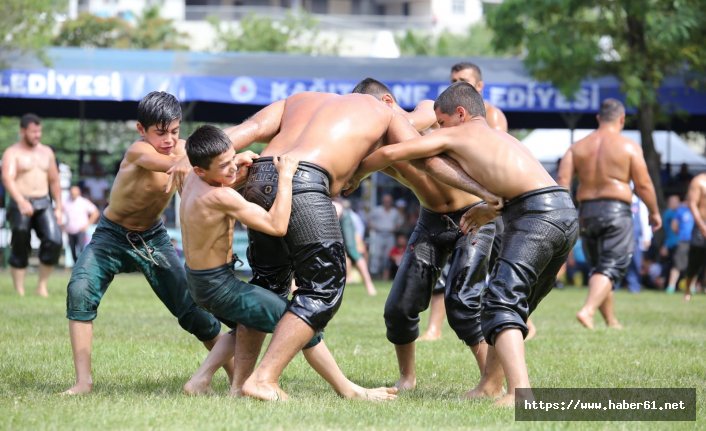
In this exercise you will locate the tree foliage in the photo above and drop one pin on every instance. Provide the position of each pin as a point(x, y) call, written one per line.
point(154, 32)
point(476, 42)
point(27, 25)
point(296, 33)
point(90, 31)
point(640, 42)
point(149, 31)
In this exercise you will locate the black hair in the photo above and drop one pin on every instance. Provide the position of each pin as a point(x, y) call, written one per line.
point(206, 143)
point(460, 94)
point(373, 87)
point(159, 109)
point(28, 119)
point(467, 65)
point(611, 110)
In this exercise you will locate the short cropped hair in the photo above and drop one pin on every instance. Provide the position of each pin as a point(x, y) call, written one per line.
point(159, 109)
point(460, 94)
point(611, 110)
point(28, 119)
point(373, 87)
point(206, 143)
point(467, 65)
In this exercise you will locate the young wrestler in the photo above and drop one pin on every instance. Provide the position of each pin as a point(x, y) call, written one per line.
point(130, 236)
point(540, 220)
point(470, 73)
point(209, 209)
point(436, 240)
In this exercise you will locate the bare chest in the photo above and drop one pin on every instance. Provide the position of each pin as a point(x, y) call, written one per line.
point(32, 161)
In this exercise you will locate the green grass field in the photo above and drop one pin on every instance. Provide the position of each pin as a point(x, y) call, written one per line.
point(142, 358)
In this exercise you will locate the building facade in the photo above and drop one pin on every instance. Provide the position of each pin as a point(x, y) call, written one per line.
point(367, 27)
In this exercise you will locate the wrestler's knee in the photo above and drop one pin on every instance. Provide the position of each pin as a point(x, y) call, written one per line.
point(470, 333)
point(50, 250)
point(82, 300)
point(321, 278)
point(318, 337)
point(495, 320)
point(402, 319)
point(402, 325)
point(21, 248)
point(402, 308)
point(18, 260)
point(200, 323)
point(316, 310)
point(466, 323)
point(616, 269)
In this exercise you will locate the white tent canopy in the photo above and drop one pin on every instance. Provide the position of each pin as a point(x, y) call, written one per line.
point(549, 145)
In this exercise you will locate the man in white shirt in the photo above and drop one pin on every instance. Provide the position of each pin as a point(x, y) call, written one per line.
point(80, 214)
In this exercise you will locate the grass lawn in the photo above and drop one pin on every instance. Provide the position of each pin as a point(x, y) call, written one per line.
point(141, 359)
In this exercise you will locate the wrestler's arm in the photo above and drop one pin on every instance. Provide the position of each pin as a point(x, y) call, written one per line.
point(496, 119)
point(447, 170)
point(693, 198)
point(261, 127)
point(273, 222)
point(419, 147)
point(399, 129)
point(423, 116)
point(243, 161)
point(9, 175)
point(566, 170)
point(93, 214)
point(644, 188)
point(145, 156)
point(54, 184)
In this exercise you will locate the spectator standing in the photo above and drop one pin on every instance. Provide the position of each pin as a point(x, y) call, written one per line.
point(671, 240)
point(384, 221)
point(643, 239)
point(80, 214)
point(682, 224)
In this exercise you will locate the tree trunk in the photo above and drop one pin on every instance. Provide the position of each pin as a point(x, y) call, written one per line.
point(645, 122)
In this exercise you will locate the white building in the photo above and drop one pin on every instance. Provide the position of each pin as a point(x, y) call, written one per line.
point(364, 27)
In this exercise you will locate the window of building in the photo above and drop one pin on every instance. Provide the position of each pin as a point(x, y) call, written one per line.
point(458, 7)
point(319, 6)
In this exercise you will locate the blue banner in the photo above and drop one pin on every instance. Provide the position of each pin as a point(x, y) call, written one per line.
point(132, 86)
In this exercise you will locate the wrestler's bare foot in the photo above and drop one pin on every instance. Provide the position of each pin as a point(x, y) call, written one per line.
point(531, 330)
point(374, 394)
point(20, 291)
point(198, 386)
point(42, 291)
point(508, 400)
point(585, 319)
point(430, 335)
point(615, 325)
point(79, 389)
point(406, 383)
point(687, 297)
point(264, 391)
point(484, 391)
